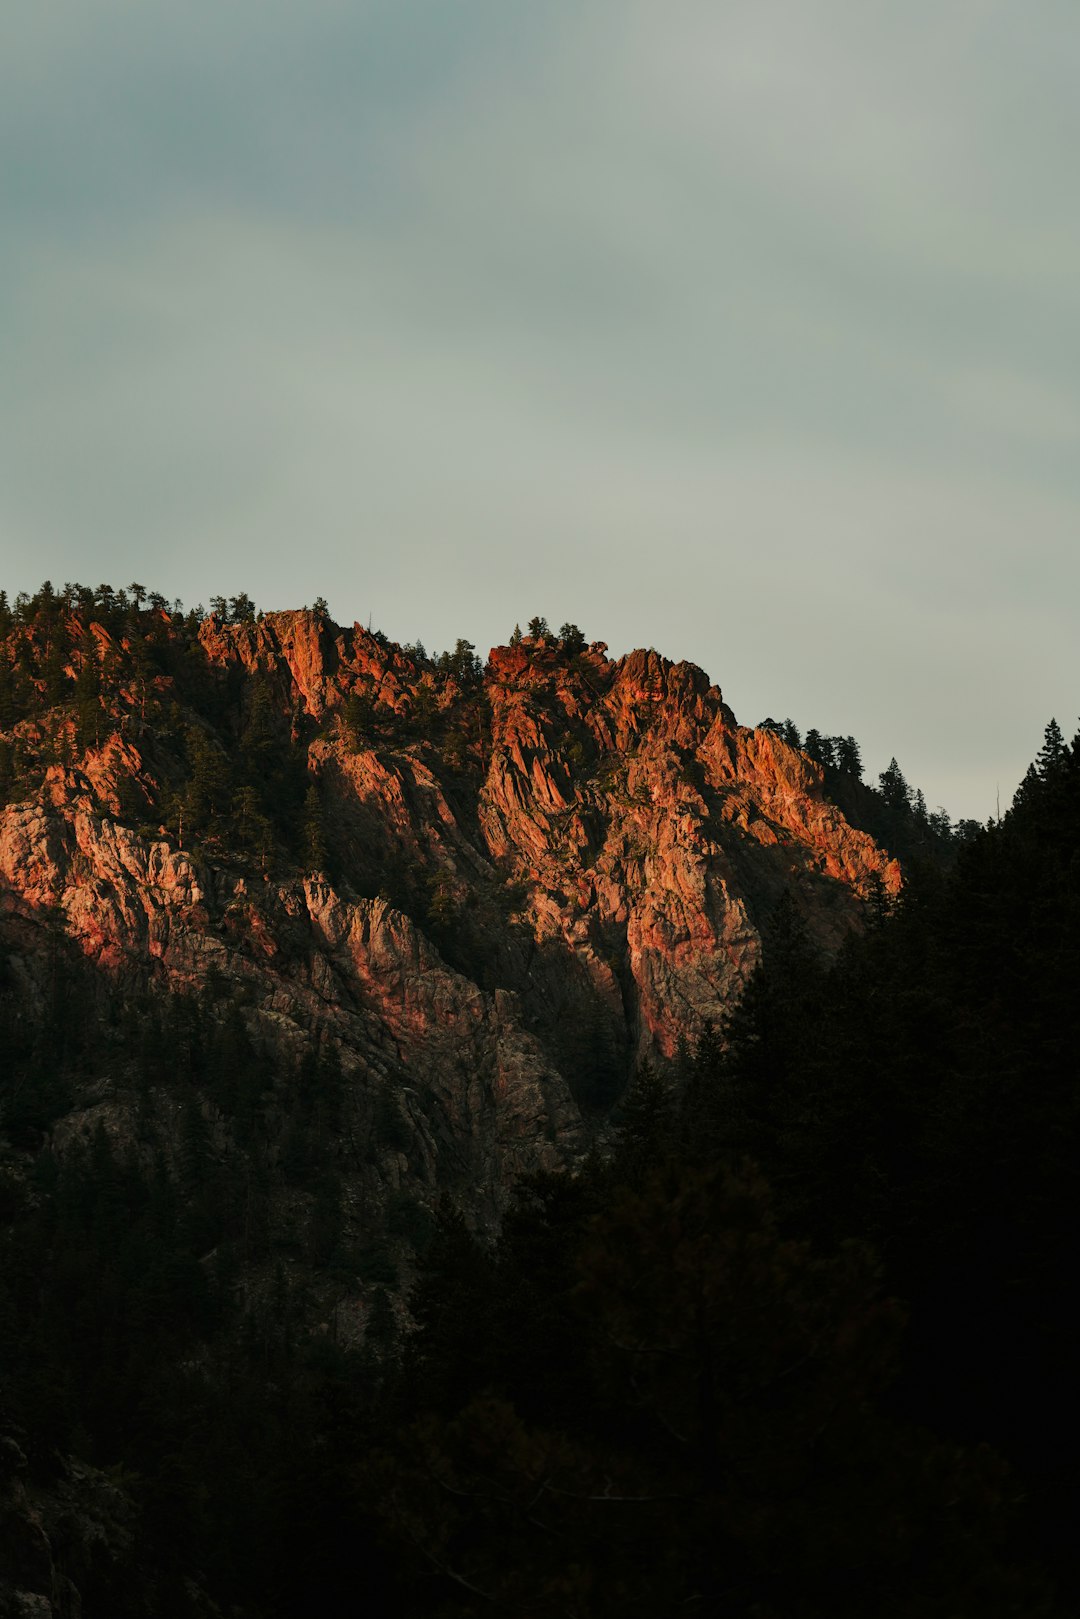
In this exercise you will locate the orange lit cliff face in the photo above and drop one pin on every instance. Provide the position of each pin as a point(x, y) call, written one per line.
point(533, 878)
point(657, 835)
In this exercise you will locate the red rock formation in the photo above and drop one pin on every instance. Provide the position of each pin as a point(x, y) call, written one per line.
point(661, 829)
point(585, 880)
point(319, 662)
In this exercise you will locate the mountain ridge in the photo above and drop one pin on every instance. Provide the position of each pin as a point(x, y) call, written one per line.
point(322, 961)
point(557, 863)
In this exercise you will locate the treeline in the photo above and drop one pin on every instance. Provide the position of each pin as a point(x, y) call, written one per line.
point(121, 609)
point(892, 811)
point(569, 638)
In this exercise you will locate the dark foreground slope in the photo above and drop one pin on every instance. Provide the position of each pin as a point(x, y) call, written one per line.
point(299, 966)
point(808, 1344)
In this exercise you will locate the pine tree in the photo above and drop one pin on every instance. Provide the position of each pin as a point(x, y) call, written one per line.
point(7, 772)
point(358, 718)
point(463, 665)
point(423, 709)
point(54, 672)
point(260, 738)
point(253, 828)
point(893, 786)
point(819, 748)
point(1051, 756)
point(848, 756)
point(7, 696)
point(210, 786)
point(879, 902)
point(646, 1127)
point(315, 853)
point(88, 699)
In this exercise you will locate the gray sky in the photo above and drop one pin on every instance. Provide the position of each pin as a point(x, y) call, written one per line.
point(747, 329)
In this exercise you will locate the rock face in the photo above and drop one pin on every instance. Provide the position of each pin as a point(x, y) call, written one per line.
point(537, 876)
point(657, 835)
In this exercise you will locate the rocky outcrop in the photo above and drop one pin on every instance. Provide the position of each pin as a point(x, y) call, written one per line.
point(314, 661)
point(657, 835)
point(482, 1098)
point(540, 877)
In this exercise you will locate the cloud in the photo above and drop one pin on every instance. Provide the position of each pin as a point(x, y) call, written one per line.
point(749, 331)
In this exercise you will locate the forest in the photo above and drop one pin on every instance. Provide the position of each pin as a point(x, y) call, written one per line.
point(795, 1341)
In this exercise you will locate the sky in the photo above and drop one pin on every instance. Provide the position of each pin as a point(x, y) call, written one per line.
point(744, 329)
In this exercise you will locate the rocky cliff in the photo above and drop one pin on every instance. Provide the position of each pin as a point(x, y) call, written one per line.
point(493, 892)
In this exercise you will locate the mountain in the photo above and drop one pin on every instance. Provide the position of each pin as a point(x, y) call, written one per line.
point(484, 1139)
point(492, 892)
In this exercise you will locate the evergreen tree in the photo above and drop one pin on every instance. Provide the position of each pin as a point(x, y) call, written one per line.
point(261, 731)
point(7, 772)
point(7, 695)
point(253, 829)
point(848, 756)
point(646, 1120)
point(463, 665)
point(819, 748)
point(1052, 754)
point(54, 673)
point(423, 709)
point(358, 718)
point(893, 786)
point(209, 793)
point(88, 708)
point(1029, 789)
point(314, 836)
